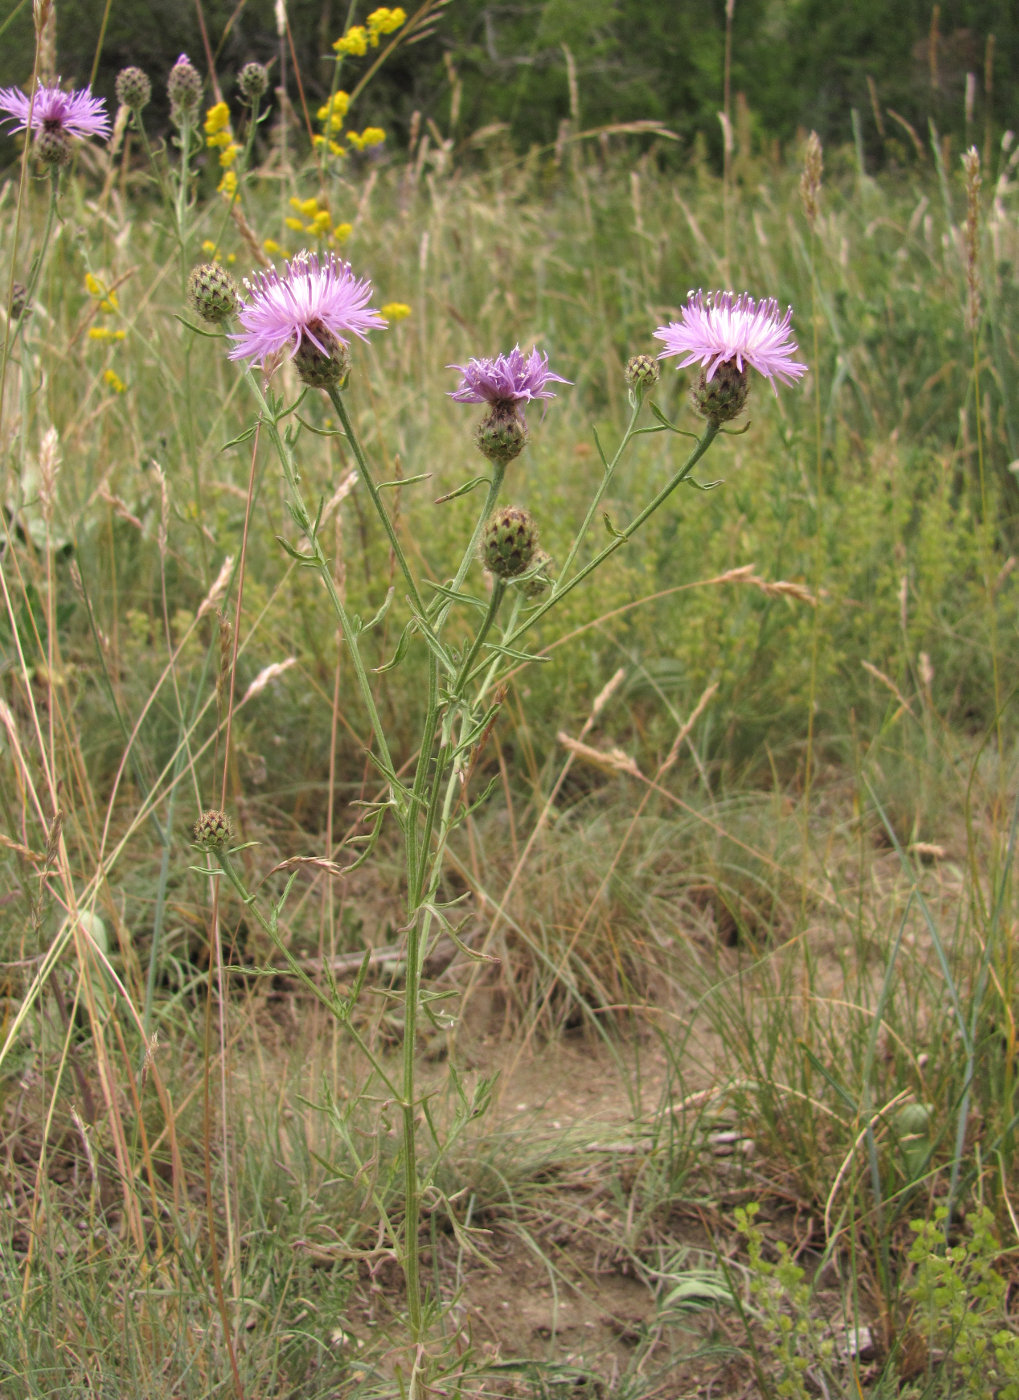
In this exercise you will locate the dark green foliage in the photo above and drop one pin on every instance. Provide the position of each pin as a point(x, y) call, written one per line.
point(795, 65)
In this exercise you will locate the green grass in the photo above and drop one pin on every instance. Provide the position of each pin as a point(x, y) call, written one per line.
point(775, 966)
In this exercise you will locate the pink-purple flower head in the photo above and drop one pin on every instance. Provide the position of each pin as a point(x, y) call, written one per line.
point(506, 381)
point(721, 327)
point(53, 111)
point(314, 302)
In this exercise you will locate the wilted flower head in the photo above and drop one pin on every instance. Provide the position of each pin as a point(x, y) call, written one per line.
point(507, 380)
point(56, 113)
point(722, 327)
point(316, 303)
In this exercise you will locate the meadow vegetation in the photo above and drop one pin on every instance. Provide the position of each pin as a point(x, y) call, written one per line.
point(711, 1013)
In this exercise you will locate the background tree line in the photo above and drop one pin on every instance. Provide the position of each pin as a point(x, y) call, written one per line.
point(795, 64)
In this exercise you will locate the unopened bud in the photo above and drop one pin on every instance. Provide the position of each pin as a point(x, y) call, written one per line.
point(213, 831)
point(133, 88)
point(642, 372)
point(19, 301)
point(509, 542)
point(184, 89)
point(539, 579)
point(252, 82)
point(213, 292)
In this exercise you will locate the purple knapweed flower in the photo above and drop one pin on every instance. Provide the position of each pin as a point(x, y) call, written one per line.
point(722, 327)
point(314, 302)
point(55, 112)
point(506, 381)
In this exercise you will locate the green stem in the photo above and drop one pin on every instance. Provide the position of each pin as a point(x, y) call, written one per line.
point(269, 927)
point(336, 398)
point(498, 593)
point(417, 938)
point(560, 591)
point(610, 468)
point(417, 799)
point(470, 554)
point(181, 200)
point(34, 274)
point(318, 561)
point(150, 153)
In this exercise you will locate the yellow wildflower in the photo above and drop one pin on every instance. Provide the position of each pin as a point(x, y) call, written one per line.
point(395, 311)
point(105, 333)
point(370, 136)
point(228, 184)
point(384, 21)
point(336, 107)
point(296, 224)
point(113, 379)
point(274, 249)
point(217, 119)
point(93, 287)
point(342, 232)
point(354, 42)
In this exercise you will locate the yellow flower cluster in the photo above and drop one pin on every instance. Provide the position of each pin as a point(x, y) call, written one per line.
point(395, 311)
point(107, 305)
point(370, 136)
point(358, 38)
point(316, 221)
point(219, 136)
point(331, 115)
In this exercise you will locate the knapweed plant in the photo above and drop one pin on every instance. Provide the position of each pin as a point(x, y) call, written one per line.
point(466, 631)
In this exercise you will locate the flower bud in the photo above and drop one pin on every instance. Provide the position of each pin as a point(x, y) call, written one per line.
point(252, 82)
point(322, 371)
point(184, 89)
point(19, 301)
point(539, 580)
point(213, 831)
point(509, 542)
point(53, 146)
point(642, 372)
point(724, 396)
point(502, 434)
point(133, 88)
point(213, 293)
